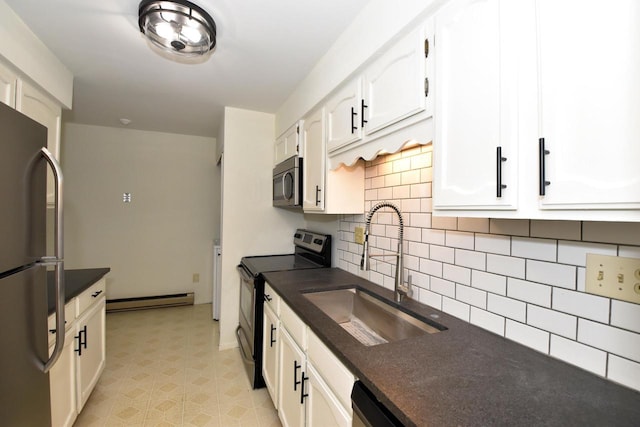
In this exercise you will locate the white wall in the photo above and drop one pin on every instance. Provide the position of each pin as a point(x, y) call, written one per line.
point(250, 223)
point(20, 47)
point(157, 242)
point(521, 279)
point(379, 22)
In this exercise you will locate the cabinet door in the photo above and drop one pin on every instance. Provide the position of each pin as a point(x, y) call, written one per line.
point(8, 82)
point(270, 334)
point(344, 119)
point(288, 144)
point(394, 85)
point(590, 103)
point(323, 408)
point(63, 385)
point(314, 162)
point(90, 354)
point(476, 105)
point(292, 369)
point(43, 110)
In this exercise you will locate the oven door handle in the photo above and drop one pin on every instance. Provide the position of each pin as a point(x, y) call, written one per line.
point(246, 358)
point(243, 273)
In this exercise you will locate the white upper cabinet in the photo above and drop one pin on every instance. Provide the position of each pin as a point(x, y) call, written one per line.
point(344, 118)
point(476, 129)
point(395, 84)
point(288, 144)
point(38, 106)
point(8, 83)
point(589, 73)
point(313, 167)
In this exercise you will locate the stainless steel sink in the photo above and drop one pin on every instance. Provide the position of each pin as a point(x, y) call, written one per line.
point(367, 318)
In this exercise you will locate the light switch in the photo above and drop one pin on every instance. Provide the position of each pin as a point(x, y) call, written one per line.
point(614, 277)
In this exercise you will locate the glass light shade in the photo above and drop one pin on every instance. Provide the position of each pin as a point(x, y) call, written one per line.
point(177, 26)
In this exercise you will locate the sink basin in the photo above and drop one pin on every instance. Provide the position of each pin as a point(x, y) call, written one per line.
point(370, 320)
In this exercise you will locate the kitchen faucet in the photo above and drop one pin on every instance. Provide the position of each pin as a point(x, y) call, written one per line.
point(400, 289)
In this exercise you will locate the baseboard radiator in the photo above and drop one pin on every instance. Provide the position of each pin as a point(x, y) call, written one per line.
point(141, 303)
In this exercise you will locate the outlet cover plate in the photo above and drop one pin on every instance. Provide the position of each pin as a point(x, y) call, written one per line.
point(359, 235)
point(613, 277)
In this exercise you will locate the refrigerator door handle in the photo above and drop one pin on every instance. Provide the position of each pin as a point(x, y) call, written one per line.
point(58, 260)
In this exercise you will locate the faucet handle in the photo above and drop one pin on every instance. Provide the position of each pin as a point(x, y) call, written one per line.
point(408, 291)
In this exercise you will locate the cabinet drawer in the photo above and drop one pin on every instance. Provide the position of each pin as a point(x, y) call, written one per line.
point(294, 325)
point(91, 295)
point(69, 317)
point(272, 299)
point(339, 379)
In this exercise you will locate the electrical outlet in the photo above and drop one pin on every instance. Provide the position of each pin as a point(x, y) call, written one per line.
point(614, 277)
point(196, 278)
point(359, 235)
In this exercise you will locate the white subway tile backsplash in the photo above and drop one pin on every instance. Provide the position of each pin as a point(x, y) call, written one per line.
point(442, 253)
point(471, 259)
point(581, 283)
point(493, 244)
point(433, 268)
point(421, 161)
point(507, 307)
point(552, 321)
point(455, 308)
point(476, 225)
point(431, 299)
point(411, 262)
point(444, 223)
point(625, 315)
point(435, 237)
point(402, 164)
point(617, 341)
point(401, 192)
point(527, 335)
point(425, 204)
point(540, 249)
point(443, 287)
point(575, 253)
point(624, 371)
point(533, 293)
point(611, 232)
point(426, 175)
point(489, 321)
point(489, 282)
point(629, 251)
point(419, 279)
point(421, 190)
point(471, 296)
point(512, 227)
point(392, 180)
point(410, 177)
point(459, 239)
point(567, 230)
point(385, 168)
point(385, 193)
point(579, 355)
point(413, 234)
point(581, 304)
point(419, 249)
point(410, 205)
point(550, 273)
point(456, 274)
point(422, 220)
point(506, 266)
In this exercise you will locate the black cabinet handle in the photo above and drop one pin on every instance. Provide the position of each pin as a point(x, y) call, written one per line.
point(499, 159)
point(318, 190)
point(426, 87)
point(273, 329)
point(362, 107)
point(295, 375)
point(426, 48)
point(302, 393)
point(353, 115)
point(95, 294)
point(267, 297)
point(82, 342)
point(542, 152)
point(53, 331)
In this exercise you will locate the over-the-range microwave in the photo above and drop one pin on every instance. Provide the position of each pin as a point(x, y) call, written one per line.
point(287, 183)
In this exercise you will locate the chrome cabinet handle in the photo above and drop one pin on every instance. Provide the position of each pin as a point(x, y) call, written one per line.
point(58, 259)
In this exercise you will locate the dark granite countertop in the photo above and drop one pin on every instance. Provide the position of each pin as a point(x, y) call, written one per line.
point(75, 281)
point(463, 376)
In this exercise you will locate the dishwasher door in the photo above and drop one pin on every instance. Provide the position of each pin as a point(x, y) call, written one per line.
point(368, 411)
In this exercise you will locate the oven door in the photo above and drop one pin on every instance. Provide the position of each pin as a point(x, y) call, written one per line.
point(247, 311)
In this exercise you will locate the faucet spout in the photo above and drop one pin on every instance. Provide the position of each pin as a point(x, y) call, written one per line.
point(400, 289)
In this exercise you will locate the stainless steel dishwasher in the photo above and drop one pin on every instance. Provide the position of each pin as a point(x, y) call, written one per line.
point(368, 411)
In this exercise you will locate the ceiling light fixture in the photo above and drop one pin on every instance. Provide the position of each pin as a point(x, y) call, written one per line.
point(177, 26)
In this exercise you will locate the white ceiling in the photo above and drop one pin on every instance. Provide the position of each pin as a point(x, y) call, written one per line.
point(265, 48)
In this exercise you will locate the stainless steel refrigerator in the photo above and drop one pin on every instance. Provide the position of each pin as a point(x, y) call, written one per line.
point(24, 353)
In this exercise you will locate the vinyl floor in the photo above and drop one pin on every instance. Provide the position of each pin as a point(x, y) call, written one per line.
point(164, 368)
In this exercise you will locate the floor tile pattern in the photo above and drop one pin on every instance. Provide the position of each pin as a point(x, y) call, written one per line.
point(164, 369)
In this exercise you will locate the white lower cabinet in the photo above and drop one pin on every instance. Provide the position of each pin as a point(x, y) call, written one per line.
point(62, 380)
point(270, 343)
point(75, 374)
point(313, 387)
point(90, 351)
